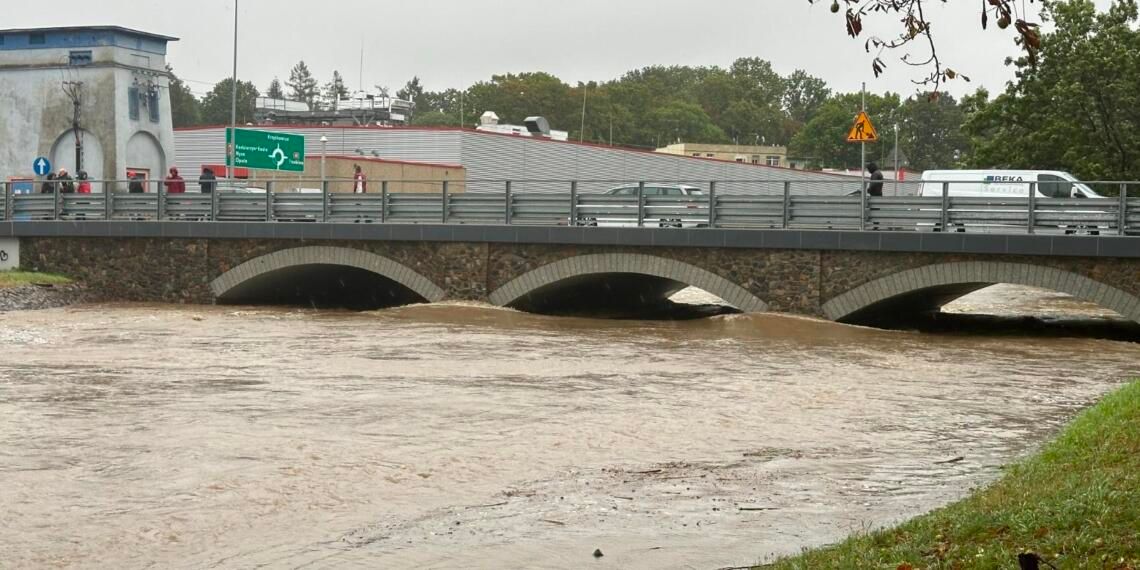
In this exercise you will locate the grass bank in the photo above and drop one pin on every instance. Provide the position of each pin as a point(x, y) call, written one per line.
point(1076, 504)
point(18, 278)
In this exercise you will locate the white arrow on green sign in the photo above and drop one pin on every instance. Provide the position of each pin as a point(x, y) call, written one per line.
point(265, 150)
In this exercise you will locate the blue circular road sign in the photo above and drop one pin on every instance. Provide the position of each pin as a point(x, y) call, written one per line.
point(41, 166)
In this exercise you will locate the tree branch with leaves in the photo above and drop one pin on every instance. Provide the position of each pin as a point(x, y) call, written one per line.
point(917, 27)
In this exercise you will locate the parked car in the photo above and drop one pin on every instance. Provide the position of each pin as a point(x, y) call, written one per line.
point(666, 206)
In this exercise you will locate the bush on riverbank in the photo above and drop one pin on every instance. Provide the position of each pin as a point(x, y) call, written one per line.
point(21, 278)
point(1076, 504)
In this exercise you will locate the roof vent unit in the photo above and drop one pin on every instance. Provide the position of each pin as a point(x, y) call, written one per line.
point(537, 126)
point(489, 118)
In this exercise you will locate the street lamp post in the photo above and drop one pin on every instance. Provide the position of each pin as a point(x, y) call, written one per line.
point(232, 142)
point(324, 147)
point(896, 159)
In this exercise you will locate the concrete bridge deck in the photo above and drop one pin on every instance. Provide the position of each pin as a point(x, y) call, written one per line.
point(848, 276)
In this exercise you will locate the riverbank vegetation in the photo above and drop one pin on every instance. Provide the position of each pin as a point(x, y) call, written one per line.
point(1073, 504)
point(21, 278)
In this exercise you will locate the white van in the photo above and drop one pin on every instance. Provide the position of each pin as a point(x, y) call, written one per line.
point(1004, 184)
point(998, 184)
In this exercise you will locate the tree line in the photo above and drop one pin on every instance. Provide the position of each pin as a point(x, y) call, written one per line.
point(1073, 105)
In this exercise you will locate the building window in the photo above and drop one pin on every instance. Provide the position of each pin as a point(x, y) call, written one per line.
point(77, 58)
point(773, 160)
point(37, 39)
point(152, 105)
point(755, 159)
point(710, 155)
point(1, 39)
point(133, 103)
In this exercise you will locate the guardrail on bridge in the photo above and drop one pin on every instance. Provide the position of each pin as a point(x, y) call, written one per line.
point(637, 204)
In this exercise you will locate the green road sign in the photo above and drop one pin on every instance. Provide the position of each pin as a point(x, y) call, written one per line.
point(265, 150)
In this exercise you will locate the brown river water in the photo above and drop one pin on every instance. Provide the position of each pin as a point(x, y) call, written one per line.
point(464, 436)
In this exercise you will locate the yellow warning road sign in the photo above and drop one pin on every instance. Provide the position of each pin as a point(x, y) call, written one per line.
point(862, 130)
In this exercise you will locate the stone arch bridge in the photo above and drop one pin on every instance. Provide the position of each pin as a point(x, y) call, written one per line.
point(843, 276)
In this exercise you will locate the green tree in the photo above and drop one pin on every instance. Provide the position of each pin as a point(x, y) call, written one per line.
point(930, 133)
point(275, 91)
point(683, 121)
point(517, 96)
point(803, 96)
point(302, 85)
point(185, 109)
point(412, 91)
point(1078, 109)
point(216, 103)
point(334, 91)
point(434, 119)
point(823, 140)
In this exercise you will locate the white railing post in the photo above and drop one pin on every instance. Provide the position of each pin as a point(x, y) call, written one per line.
point(269, 201)
point(443, 204)
point(641, 204)
point(712, 204)
point(1031, 214)
point(945, 206)
point(863, 207)
point(507, 209)
point(573, 203)
point(325, 198)
point(160, 196)
point(786, 210)
point(7, 200)
point(1122, 225)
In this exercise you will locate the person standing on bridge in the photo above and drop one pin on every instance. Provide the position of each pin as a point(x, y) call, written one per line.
point(174, 183)
point(136, 184)
point(875, 188)
point(207, 181)
point(360, 182)
point(48, 186)
point(84, 186)
point(66, 186)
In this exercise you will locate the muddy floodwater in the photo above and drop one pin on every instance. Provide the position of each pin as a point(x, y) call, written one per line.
point(460, 436)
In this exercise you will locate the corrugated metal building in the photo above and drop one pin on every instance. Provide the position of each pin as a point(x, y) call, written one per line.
point(532, 164)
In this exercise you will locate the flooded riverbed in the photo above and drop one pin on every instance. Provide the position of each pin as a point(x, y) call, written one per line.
point(467, 436)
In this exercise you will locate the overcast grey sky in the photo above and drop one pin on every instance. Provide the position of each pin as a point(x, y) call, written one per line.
point(454, 43)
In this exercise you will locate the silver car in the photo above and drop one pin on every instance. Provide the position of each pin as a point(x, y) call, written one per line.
point(666, 206)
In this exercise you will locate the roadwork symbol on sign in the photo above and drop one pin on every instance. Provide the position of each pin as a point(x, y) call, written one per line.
point(862, 130)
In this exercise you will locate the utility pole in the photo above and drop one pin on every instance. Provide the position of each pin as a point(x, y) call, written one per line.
point(863, 145)
point(74, 91)
point(231, 138)
point(582, 129)
point(896, 159)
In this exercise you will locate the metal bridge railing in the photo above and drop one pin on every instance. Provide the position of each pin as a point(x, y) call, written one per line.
point(631, 205)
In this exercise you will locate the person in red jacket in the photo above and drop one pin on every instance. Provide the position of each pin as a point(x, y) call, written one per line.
point(84, 186)
point(359, 181)
point(174, 183)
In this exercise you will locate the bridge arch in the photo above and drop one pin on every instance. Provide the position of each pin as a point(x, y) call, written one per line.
point(237, 281)
point(932, 286)
point(594, 265)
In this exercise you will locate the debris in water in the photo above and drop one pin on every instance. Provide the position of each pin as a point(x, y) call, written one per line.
point(598, 553)
point(951, 460)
